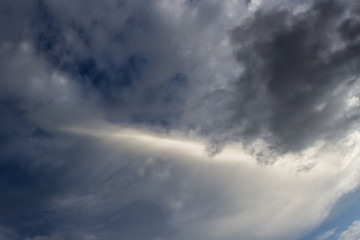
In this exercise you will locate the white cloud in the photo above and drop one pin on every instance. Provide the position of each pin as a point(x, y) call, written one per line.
point(254, 4)
point(326, 235)
point(352, 233)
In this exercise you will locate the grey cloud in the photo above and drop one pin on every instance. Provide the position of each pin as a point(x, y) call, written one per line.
point(75, 186)
point(14, 20)
point(67, 63)
point(34, 165)
point(123, 52)
point(54, 236)
point(129, 61)
point(298, 72)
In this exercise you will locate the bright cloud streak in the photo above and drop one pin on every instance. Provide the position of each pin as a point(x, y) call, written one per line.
point(305, 185)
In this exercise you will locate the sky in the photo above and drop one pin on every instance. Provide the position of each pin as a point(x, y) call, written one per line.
point(179, 119)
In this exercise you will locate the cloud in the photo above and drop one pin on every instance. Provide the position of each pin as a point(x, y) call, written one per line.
point(299, 73)
point(6, 233)
point(253, 5)
point(137, 62)
point(207, 198)
point(140, 60)
point(326, 235)
point(109, 110)
point(353, 232)
point(51, 237)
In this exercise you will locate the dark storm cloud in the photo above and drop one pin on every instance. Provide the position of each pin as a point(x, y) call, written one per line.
point(298, 72)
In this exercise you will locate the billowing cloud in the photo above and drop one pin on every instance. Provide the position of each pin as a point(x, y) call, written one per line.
point(299, 82)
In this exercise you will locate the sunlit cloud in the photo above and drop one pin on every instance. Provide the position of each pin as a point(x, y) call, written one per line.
point(305, 185)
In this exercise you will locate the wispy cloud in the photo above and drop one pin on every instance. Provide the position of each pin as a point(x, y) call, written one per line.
point(270, 198)
point(352, 232)
point(326, 235)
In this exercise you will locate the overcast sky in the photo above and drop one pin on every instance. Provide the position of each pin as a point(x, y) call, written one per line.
point(179, 120)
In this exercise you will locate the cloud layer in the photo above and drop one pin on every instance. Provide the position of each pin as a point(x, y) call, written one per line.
point(152, 120)
point(299, 82)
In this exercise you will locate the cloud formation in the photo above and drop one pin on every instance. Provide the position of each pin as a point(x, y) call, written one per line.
point(134, 120)
point(205, 197)
point(353, 232)
point(326, 235)
point(299, 82)
point(52, 237)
